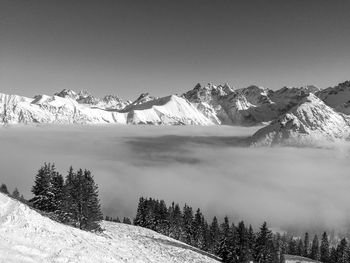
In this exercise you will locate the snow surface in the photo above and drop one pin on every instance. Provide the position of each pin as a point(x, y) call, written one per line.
point(27, 236)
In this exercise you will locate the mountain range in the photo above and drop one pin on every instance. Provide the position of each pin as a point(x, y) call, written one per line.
point(289, 116)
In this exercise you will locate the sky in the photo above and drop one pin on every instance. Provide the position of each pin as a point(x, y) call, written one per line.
point(166, 47)
point(200, 166)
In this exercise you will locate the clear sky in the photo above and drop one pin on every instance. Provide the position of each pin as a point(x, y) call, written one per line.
point(162, 47)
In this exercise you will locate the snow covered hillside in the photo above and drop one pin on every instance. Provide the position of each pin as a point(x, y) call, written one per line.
point(27, 236)
point(309, 122)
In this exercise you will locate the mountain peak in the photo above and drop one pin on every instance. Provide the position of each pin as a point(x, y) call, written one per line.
point(308, 122)
point(144, 97)
point(67, 93)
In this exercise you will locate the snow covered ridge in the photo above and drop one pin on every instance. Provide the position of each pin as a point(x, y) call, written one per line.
point(68, 107)
point(247, 106)
point(301, 115)
point(310, 122)
point(337, 97)
point(27, 236)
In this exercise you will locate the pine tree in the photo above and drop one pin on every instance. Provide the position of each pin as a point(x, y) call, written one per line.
point(161, 217)
point(92, 210)
point(197, 228)
point(251, 241)
point(69, 204)
point(263, 252)
point(43, 198)
point(140, 219)
point(83, 203)
point(3, 189)
point(324, 248)
point(241, 251)
point(333, 255)
point(57, 190)
point(214, 235)
point(15, 193)
point(342, 252)
point(292, 247)
point(223, 248)
point(187, 220)
point(175, 221)
point(300, 248)
point(206, 235)
point(306, 245)
point(150, 217)
point(315, 250)
point(232, 242)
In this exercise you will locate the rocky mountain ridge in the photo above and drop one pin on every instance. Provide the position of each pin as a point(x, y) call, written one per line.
point(289, 114)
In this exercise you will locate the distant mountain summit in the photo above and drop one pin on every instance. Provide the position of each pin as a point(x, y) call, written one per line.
point(84, 97)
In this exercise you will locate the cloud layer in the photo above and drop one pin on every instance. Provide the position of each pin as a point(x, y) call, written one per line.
point(207, 167)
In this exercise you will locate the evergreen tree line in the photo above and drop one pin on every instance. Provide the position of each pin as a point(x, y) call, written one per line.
point(234, 243)
point(72, 200)
point(320, 250)
point(126, 220)
point(15, 194)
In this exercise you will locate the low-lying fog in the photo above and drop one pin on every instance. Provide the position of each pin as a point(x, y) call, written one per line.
point(207, 167)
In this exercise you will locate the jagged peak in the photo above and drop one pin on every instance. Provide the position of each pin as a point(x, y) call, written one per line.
point(67, 93)
point(144, 97)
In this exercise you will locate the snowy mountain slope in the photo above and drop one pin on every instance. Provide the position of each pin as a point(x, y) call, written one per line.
point(248, 106)
point(167, 110)
point(27, 236)
point(65, 109)
point(337, 97)
point(46, 109)
point(309, 122)
point(207, 99)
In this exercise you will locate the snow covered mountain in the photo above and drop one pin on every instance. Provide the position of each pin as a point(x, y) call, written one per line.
point(308, 122)
point(304, 113)
point(27, 236)
point(247, 106)
point(337, 97)
point(69, 107)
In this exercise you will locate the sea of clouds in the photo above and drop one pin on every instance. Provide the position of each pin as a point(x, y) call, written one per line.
point(207, 167)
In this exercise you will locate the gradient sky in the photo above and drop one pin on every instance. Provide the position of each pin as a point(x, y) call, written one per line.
point(128, 47)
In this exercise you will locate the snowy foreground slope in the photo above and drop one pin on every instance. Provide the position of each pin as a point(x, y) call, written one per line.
point(27, 236)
